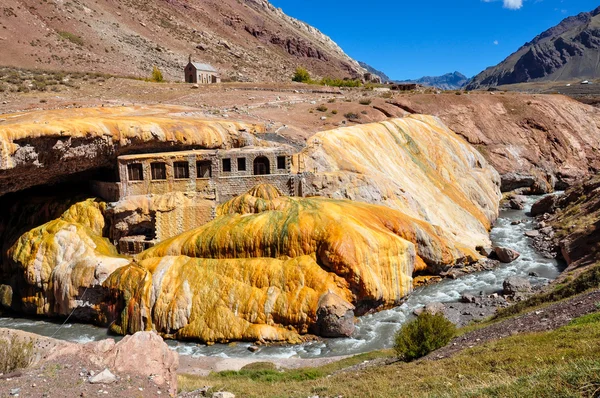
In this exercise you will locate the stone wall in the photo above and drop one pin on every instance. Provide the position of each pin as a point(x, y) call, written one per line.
point(230, 187)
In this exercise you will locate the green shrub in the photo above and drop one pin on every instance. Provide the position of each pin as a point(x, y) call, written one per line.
point(365, 101)
point(15, 354)
point(260, 366)
point(322, 108)
point(352, 116)
point(301, 75)
point(331, 100)
point(328, 81)
point(423, 335)
point(156, 75)
point(334, 112)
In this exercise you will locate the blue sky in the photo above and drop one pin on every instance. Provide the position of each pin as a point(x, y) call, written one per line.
point(409, 39)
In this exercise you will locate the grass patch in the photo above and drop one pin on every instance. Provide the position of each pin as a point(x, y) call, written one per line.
point(15, 354)
point(560, 363)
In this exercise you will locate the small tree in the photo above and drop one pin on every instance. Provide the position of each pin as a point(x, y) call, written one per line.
point(301, 75)
point(421, 336)
point(156, 75)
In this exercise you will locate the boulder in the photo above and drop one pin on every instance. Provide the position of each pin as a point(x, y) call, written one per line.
point(145, 354)
point(468, 298)
point(517, 202)
point(512, 181)
point(335, 317)
point(485, 251)
point(434, 308)
point(515, 285)
point(506, 255)
point(104, 377)
point(545, 205)
point(532, 234)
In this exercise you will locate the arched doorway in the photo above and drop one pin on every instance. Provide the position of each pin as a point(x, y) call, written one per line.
point(262, 166)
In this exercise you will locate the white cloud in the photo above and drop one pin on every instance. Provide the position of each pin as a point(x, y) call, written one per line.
point(513, 4)
point(496, 42)
point(510, 4)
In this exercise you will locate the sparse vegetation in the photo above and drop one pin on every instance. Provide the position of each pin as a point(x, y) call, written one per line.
point(423, 335)
point(546, 364)
point(322, 108)
point(15, 354)
point(301, 75)
point(157, 76)
point(71, 37)
point(352, 116)
point(334, 112)
point(365, 101)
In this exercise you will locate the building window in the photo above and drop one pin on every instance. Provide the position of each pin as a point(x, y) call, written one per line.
point(135, 172)
point(204, 169)
point(262, 166)
point(226, 165)
point(181, 170)
point(159, 171)
point(281, 163)
point(130, 247)
point(241, 164)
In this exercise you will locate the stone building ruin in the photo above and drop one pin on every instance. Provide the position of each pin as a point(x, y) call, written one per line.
point(160, 195)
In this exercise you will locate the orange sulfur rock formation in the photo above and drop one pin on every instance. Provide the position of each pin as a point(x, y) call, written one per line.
point(222, 300)
point(59, 260)
point(416, 165)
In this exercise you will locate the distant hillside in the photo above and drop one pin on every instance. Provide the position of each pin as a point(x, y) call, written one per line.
point(246, 40)
point(568, 51)
point(370, 69)
point(449, 81)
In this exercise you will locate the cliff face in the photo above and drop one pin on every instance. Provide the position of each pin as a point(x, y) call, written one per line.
point(567, 51)
point(50, 146)
point(537, 141)
point(246, 40)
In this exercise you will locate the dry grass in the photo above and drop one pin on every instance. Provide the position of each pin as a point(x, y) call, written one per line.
point(15, 354)
point(560, 363)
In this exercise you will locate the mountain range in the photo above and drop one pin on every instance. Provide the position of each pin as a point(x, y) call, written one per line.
point(449, 81)
point(246, 40)
point(567, 51)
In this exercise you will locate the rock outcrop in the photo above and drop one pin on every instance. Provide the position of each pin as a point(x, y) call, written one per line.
point(541, 142)
point(46, 147)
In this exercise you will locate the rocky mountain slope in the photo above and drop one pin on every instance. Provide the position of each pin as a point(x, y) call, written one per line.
point(449, 81)
point(370, 69)
point(247, 40)
point(567, 51)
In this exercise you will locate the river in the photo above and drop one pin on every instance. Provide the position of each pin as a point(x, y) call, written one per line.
point(374, 331)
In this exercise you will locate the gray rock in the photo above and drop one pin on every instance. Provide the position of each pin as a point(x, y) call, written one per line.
point(517, 202)
point(15, 391)
point(223, 394)
point(335, 317)
point(253, 348)
point(468, 298)
point(104, 377)
point(515, 285)
point(533, 233)
point(435, 308)
point(506, 255)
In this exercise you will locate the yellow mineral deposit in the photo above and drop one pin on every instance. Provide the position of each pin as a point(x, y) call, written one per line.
point(221, 300)
point(63, 256)
point(416, 165)
point(374, 248)
point(122, 126)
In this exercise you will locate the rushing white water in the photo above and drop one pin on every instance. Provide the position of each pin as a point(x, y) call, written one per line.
point(373, 331)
